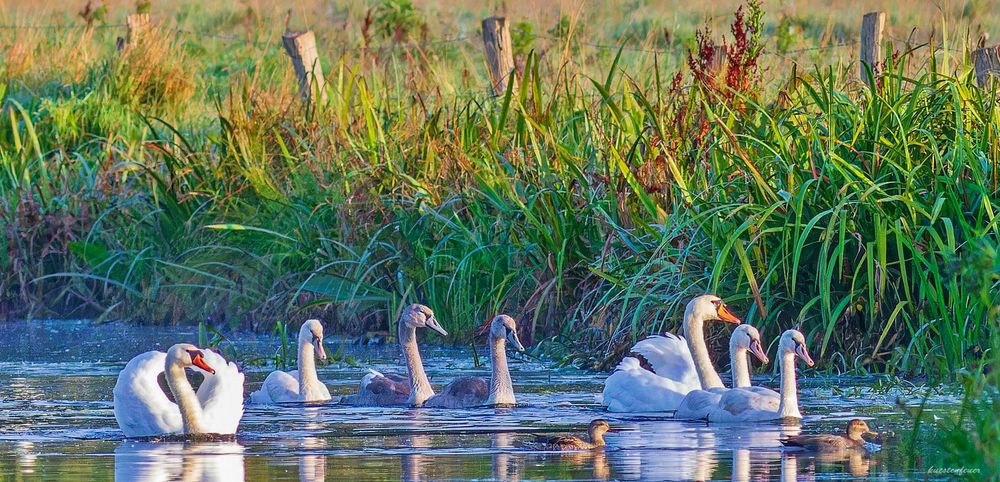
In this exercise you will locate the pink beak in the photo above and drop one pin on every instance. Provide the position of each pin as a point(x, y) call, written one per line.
point(804, 355)
point(318, 345)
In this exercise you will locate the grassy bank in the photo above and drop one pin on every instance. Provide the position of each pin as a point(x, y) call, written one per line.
point(182, 180)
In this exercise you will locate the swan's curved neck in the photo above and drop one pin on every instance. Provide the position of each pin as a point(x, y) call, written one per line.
point(308, 379)
point(694, 335)
point(420, 386)
point(740, 363)
point(789, 406)
point(187, 400)
point(501, 386)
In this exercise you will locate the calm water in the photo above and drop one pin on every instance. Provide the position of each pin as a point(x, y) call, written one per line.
point(56, 422)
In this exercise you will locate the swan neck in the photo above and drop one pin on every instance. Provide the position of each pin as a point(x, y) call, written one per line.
point(694, 335)
point(501, 386)
point(308, 379)
point(740, 361)
point(187, 400)
point(420, 386)
point(789, 406)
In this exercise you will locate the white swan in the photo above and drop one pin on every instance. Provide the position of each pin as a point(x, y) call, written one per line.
point(382, 390)
point(661, 370)
point(300, 385)
point(758, 404)
point(476, 391)
point(745, 338)
point(143, 410)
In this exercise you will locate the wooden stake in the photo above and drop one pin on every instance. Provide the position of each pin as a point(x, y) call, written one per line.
point(499, 54)
point(987, 62)
point(720, 60)
point(301, 47)
point(872, 25)
point(137, 25)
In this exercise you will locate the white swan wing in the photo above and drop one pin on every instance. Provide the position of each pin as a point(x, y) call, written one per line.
point(669, 357)
point(746, 405)
point(141, 407)
point(278, 387)
point(221, 394)
point(697, 404)
point(632, 388)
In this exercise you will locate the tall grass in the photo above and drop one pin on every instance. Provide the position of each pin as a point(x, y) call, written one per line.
point(590, 206)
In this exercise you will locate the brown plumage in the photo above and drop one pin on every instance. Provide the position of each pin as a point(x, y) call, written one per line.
point(382, 390)
point(852, 439)
point(567, 442)
point(462, 392)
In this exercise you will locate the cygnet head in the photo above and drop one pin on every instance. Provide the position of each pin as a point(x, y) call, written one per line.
point(792, 341)
point(504, 327)
point(312, 332)
point(420, 316)
point(748, 338)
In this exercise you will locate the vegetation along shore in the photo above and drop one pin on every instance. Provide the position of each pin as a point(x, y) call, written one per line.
point(175, 175)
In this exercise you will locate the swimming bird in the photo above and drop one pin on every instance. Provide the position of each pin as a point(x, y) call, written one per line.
point(142, 409)
point(477, 391)
point(755, 404)
point(383, 390)
point(745, 338)
point(851, 439)
point(596, 431)
point(661, 370)
point(302, 385)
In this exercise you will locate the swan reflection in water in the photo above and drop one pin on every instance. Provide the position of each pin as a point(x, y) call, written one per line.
point(312, 466)
point(187, 462)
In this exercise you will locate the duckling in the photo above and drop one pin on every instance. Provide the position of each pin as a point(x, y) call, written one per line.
point(827, 442)
point(568, 442)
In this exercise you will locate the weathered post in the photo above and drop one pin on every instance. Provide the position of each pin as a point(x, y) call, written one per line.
point(720, 60)
point(872, 25)
point(499, 53)
point(301, 47)
point(136, 24)
point(987, 62)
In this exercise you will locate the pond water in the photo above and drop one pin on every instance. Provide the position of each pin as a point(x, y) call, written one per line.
point(56, 423)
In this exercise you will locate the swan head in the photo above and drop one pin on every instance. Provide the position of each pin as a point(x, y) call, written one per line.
point(710, 307)
point(420, 316)
point(747, 337)
point(187, 355)
point(504, 327)
point(312, 332)
point(857, 427)
point(792, 341)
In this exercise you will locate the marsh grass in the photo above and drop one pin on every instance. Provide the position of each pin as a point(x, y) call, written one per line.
point(182, 180)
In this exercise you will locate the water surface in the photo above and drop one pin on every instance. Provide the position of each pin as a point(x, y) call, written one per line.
point(56, 422)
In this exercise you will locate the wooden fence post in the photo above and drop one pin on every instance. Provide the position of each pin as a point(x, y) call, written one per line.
point(499, 54)
point(136, 26)
point(301, 47)
point(720, 60)
point(987, 62)
point(872, 25)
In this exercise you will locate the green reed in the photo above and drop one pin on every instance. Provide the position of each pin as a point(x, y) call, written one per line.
point(591, 207)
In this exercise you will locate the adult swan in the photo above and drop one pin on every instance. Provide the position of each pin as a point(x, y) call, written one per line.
point(143, 409)
point(661, 370)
